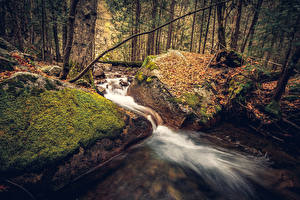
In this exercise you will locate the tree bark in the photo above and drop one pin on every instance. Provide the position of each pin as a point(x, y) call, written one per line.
point(135, 52)
point(64, 26)
point(235, 33)
point(213, 33)
point(201, 28)
point(170, 30)
point(84, 35)
point(54, 29)
point(207, 27)
point(158, 36)
point(252, 26)
point(221, 30)
point(193, 27)
point(67, 53)
point(43, 31)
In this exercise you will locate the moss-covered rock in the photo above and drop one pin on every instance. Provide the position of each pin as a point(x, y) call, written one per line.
point(195, 104)
point(40, 126)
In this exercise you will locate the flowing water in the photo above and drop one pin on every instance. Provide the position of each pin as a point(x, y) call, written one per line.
point(177, 165)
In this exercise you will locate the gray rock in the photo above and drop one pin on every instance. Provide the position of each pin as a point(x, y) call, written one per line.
point(52, 70)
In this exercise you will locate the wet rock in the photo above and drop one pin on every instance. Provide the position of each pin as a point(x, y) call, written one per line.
point(100, 81)
point(156, 96)
point(101, 90)
point(123, 83)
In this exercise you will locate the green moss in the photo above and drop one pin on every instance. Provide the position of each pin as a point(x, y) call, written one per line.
point(149, 79)
point(238, 86)
point(40, 129)
point(193, 100)
point(140, 77)
point(149, 64)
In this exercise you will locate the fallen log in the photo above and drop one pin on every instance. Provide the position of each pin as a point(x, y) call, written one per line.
point(123, 63)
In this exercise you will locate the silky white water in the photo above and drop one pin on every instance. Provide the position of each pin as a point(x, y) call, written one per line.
point(227, 172)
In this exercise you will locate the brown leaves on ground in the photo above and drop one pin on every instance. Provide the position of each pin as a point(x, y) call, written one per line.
point(183, 71)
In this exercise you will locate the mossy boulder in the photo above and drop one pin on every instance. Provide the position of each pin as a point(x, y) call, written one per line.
point(40, 126)
point(164, 84)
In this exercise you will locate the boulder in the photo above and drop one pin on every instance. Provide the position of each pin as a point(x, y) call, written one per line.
point(53, 132)
point(99, 73)
point(52, 70)
point(187, 94)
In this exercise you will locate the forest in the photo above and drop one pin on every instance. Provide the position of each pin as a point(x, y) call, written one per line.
point(150, 99)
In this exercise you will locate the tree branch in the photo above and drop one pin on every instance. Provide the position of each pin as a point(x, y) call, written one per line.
point(139, 34)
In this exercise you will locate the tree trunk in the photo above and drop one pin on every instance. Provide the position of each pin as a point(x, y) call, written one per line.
point(207, 27)
point(170, 30)
point(151, 37)
point(43, 31)
point(193, 28)
point(235, 33)
point(213, 33)
point(54, 29)
point(286, 71)
point(64, 26)
point(135, 51)
point(158, 35)
point(67, 53)
point(201, 28)
point(31, 21)
point(221, 30)
point(84, 34)
point(252, 26)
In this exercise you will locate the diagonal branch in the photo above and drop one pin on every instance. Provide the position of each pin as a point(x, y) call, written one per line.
point(139, 34)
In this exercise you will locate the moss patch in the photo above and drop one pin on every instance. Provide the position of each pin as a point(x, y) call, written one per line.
point(149, 64)
point(140, 76)
point(38, 129)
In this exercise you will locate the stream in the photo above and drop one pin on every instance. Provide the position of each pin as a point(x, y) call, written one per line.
point(177, 165)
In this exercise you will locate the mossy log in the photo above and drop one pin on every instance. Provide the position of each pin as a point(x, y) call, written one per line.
point(123, 63)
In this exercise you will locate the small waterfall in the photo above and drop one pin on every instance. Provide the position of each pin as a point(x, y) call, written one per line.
point(227, 172)
point(117, 93)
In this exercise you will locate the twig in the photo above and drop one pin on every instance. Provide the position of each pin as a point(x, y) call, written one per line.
point(139, 34)
point(22, 188)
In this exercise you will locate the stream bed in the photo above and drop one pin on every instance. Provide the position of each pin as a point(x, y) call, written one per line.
point(175, 165)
